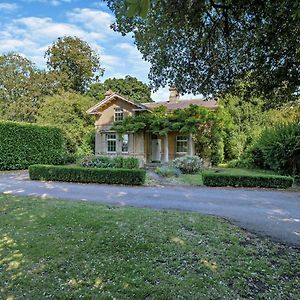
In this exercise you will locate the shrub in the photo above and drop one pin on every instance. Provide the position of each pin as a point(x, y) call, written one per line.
point(130, 163)
point(188, 164)
point(23, 144)
point(118, 162)
point(96, 162)
point(263, 180)
point(241, 163)
point(279, 149)
point(87, 175)
point(167, 171)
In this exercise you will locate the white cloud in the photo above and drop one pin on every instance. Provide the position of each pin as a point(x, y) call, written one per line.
point(92, 20)
point(51, 2)
point(8, 7)
point(31, 36)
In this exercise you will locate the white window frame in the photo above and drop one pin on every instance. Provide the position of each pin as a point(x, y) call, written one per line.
point(119, 114)
point(110, 138)
point(125, 137)
point(182, 139)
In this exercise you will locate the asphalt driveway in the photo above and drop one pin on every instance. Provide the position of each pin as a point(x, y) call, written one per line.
point(266, 212)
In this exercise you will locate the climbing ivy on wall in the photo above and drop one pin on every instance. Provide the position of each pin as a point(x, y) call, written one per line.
point(205, 126)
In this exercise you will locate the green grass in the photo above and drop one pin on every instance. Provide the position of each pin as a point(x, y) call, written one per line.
point(71, 250)
point(190, 179)
point(240, 171)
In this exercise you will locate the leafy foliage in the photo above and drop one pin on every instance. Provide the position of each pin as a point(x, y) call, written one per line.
point(87, 175)
point(75, 62)
point(188, 164)
point(278, 149)
point(68, 112)
point(119, 162)
point(244, 122)
point(22, 88)
point(24, 144)
point(263, 180)
point(129, 87)
point(203, 46)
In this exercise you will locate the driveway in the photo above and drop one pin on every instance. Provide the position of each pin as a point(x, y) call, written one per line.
point(275, 214)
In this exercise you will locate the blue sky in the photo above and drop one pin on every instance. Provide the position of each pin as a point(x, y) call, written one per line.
point(28, 27)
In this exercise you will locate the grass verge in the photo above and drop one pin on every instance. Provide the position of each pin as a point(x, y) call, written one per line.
point(70, 250)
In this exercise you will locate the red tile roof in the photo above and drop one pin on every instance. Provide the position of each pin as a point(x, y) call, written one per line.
point(208, 103)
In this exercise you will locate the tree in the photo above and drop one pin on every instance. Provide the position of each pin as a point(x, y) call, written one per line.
point(203, 46)
point(68, 112)
point(129, 87)
point(75, 62)
point(22, 88)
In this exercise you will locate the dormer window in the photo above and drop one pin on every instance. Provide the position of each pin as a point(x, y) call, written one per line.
point(119, 114)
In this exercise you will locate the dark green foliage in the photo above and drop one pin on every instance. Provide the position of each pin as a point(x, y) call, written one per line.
point(128, 87)
point(278, 149)
point(24, 144)
point(87, 175)
point(118, 162)
point(203, 46)
point(263, 180)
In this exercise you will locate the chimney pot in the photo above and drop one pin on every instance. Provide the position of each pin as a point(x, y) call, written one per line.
point(174, 95)
point(108, 93)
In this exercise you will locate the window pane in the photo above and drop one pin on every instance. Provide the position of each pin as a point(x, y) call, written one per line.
point(119, 114)
point(111, 142)
point(125, 140)
point(181, 144)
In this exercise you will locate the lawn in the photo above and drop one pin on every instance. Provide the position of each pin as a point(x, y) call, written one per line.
point(71, 250)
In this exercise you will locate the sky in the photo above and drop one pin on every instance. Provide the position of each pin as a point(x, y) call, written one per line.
point(29, 27)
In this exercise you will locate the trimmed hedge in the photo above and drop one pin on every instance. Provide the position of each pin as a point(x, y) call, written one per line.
point(264, 180)
point(23, 144)
point(87, 175)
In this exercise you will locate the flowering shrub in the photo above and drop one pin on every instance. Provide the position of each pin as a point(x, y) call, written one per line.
point(103, 162)
point(188, 164)
point(168, 171)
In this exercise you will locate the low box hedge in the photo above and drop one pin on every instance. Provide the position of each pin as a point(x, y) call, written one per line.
point(87, 175)
point(263, 180)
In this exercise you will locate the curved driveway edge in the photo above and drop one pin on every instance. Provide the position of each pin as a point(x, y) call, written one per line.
point(275, 214)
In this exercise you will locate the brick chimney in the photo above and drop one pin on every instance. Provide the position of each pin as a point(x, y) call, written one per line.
point(174, 95)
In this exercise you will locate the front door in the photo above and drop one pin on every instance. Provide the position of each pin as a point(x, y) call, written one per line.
point(156, 150)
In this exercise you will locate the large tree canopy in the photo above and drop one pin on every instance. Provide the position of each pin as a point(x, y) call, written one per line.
point(204, 45)
point(75, 62)
point(129, 87)
point(22, 88)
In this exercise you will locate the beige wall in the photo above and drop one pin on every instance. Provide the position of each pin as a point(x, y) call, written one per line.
point(136, 145)
point(107, 113)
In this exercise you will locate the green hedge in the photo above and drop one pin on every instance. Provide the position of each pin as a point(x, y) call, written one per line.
point(23, 144)
point(264, 180)
point(87, 175)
